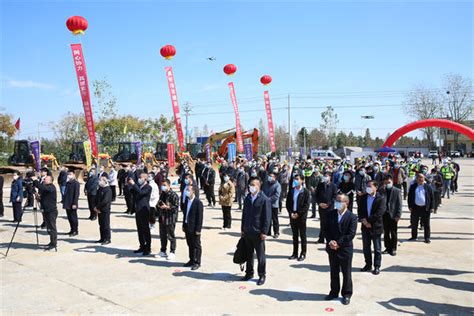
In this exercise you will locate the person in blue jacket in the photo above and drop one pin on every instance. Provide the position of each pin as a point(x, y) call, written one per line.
point(16, 196)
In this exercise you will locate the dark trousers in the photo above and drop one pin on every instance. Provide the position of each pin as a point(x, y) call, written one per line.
point(314, 204)
point(437, 199)
point(73, 221)
point(114, 192)
point(284, 193)
point(239, 196)
point(91, 203)
point(390, 238)
point(227, 216)
point(322, 222)
point(50, 221)
point(30, 198)
point(17, 211)
point(142, 218)
point(152, 215)
point(254, 243)
point(120, 185)
point(298, 228)
point(210, 196)
point(404, 186)
point(275, 222)
point(129, 200)
point(194, 245)
point(417, 214)
point(367, 240)
point(104, 226)
point(2, 208)
point(167, 233)
point(339, 264)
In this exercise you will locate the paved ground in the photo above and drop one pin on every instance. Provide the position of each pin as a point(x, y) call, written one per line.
point(83, 277)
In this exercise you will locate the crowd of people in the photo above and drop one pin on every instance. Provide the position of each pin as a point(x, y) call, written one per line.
point(261, 188)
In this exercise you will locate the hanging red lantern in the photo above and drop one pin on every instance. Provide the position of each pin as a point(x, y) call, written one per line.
point(168, 51)
point(265, 80)
point(230, 69)
point(77, 24)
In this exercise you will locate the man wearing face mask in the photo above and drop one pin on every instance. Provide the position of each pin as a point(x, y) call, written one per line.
point(448, 174)
point(340, 231)
point(71, 202)
point(121, 179)
point(312, 185)
point(370, 213)
point(297, 204)
point(90, 189)
point(48, 199)
point(421, 205)
point(102, 208)
point(168, 206)
point(141, 195)
point(241, 185)
point(398, 175)
point(283, 179)
point(347, 187)
point(393, 198)
point(226, 195)
point(113, 181)
point(326, 193)
point(192, 226)
point(16, 196)
point(255, 223)
point(272, 190)
point(102, 172)
point(154, 198)
point(130, 174)
point(208, 178)
point(360, 183)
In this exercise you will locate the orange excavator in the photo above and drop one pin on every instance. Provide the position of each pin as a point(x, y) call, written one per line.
point(229, 136)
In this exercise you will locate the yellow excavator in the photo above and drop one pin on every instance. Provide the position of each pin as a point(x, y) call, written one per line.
point(23, 159)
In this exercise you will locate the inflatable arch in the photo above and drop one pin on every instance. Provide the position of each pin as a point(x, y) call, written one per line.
point(460, 128)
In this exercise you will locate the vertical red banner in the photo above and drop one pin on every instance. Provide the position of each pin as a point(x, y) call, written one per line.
point(170, 150)
point(238, 130)
point(175, 105)
point(268, 109)
point(80, 65)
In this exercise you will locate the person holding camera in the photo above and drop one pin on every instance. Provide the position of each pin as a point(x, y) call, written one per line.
point(168, 207)
point(48, 200)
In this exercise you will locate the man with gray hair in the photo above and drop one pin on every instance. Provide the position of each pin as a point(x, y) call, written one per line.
point(102, 208)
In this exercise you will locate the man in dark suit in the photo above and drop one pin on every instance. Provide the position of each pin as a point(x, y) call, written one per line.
point(90, 189)
point(297, 204)
point(48, 198)
point(2, 210)
point(102, 208)
point(141, 195)
point(256, 217)
point(16, 196)
point(326, 193)
point(393, 212)
point(62, 181)
point(71, 202)
point(129, 197)
point(208, 179)
point(241, 184)
point(371, 209)
point(192, 226)
point(339, 232)
point(421, 205)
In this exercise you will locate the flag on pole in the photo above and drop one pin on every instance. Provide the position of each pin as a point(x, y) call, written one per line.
point(17, 124)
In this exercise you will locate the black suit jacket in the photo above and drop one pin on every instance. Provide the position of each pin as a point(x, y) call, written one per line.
point(429, 197)
point(256, 216)
point(196, 214)
point(394, 202)
point(71, 195)
point(141, 196)
point(302, 204)
point(342, 232)
point(103, 199)
point(48, 196)
point(326, 193)
point(376, 213)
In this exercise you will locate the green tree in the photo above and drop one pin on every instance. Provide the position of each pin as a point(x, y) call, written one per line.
point(106, 101)
point(328, 125)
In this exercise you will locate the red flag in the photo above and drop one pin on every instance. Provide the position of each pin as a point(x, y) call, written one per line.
point(175, 105)
point(17, 124)
point(238, 129)
point(268, 109)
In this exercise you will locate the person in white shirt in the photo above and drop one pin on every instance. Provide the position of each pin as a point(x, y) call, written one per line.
point(113, 182)
point(154, 198)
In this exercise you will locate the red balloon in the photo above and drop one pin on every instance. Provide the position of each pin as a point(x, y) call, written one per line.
point(77, 24)
point(230, 69)
point(168, 51)
point(266, 79)
point(460, 128)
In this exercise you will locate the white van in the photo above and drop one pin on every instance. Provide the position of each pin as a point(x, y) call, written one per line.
point(324, 154)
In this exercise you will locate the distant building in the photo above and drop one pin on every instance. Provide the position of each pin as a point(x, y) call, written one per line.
point(464, 143)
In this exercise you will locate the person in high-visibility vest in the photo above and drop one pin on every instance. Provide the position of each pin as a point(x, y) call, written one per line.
point(448, 173)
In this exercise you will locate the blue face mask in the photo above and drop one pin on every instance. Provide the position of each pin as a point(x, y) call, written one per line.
point(186, 181)
point(338, 205)
point(270, 179)
point(295, 183)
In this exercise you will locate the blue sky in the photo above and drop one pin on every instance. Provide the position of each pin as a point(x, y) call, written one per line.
point(346, 54)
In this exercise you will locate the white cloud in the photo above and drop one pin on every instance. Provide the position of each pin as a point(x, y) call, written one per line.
point(26, 84)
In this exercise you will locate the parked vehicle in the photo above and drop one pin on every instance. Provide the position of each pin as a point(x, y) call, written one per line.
point(324, 154)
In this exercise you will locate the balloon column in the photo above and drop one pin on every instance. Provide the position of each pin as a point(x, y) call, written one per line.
point(266, 80)
point(77, 25)
point(168, 52)
point(229, 70)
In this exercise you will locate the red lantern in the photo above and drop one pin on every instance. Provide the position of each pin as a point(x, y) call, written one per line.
point(77, 24)
point(266, 79)
point(168, 51)
point(230, 69)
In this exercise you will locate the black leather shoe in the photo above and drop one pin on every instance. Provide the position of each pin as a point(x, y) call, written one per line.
point(385, 252)
point(93, 218)
point(138, 250)
point(366, 268)
point(376, 271)
point(106, 242)
point(50, 247)
point(346, 300)
point(302, 257)
point(261, 280)
point(146, 252)
point(330, 297)
point(320, 241)
point(99, 241)
point(276, 236)
point(247, 277)
point(393, 253)
point(43, 226)
point(188, 264)
point(195, 266)
point(293, 257)
point(313, 216)
point(73, 234)
point(427, 241)
point(412, 239)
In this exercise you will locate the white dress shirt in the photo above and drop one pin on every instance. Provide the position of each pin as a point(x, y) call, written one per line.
point(420, 198)
point(296, 192)
point(188, 208)
point(339, 216)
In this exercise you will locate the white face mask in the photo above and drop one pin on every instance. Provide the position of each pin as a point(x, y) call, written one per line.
point(15, 177)
point(70, 178)
point(102, 184)
point(226, 179)
point(164, 188)
point(150, 178)
point(253, 189)
point(141, 181)
point(368, 190)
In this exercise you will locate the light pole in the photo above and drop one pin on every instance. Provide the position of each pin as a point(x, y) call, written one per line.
point(187, 109)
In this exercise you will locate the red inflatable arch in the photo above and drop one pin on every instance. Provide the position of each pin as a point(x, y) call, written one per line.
point(463, 129)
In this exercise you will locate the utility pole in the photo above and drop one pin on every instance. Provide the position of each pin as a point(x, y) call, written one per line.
point(187, 109)
point(289, 123)
point(304, 139)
